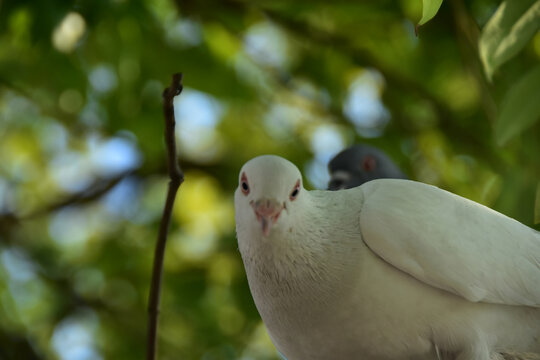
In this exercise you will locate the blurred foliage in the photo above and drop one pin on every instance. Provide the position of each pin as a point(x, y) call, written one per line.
point(508, 31)
point(82, 161)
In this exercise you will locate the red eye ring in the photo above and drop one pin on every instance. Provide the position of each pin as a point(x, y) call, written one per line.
point(295, 191)
point(244, 184)
point(369, 163)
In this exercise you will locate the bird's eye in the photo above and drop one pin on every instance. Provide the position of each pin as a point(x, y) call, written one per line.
point(369, 163)
point(244, 184)
point(245, 187)
point(295, 191)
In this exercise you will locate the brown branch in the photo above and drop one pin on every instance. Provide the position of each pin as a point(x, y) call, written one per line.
point(176, 178)
point(96, 190)
point(93, 192)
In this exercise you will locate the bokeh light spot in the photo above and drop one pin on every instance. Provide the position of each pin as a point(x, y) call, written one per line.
point(267, 45)
point(363, 105)
point(18, 265)
point(71, 171)
point(69, 32)
point(197, 115)
point(103, 79)
point(71, 228)
point(112, 156)
point(70, 101)
point(73, 338)
point(326, 141)
point(184, 33)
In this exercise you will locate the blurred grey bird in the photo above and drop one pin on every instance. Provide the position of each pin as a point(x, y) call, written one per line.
point(359, 164)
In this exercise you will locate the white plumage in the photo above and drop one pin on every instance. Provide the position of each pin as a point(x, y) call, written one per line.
point(393, 269)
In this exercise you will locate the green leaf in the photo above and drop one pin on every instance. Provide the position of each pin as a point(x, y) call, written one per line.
point(519, 108)
point(507, 32)
point(429, 9)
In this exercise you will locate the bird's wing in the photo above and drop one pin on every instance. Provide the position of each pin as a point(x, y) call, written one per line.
point(451, 242)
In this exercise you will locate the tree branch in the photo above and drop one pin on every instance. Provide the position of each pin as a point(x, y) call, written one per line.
point(176, 178)
point(93, 192)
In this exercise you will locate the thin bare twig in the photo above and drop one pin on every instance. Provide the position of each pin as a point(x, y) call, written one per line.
point(176, 178)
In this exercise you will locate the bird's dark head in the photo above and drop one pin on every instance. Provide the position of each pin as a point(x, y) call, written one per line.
point(359, 164)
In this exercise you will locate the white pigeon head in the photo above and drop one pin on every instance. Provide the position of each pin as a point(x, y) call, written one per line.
point(269, 190)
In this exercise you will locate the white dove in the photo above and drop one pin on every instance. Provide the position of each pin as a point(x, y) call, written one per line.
point(392, 269)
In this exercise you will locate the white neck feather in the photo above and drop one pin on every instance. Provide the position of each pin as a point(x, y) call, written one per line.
point(306, 260)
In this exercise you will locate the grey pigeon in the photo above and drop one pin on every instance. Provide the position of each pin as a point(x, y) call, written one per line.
point(359, 164)
point(389, 270)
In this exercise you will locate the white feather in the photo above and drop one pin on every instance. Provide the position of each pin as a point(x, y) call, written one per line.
point(451, 242)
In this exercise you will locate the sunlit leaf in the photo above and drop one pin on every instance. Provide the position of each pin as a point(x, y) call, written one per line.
point(221, 42)
point(202, 207)
point(429, 10)
point(507, 32)
point(518, 110)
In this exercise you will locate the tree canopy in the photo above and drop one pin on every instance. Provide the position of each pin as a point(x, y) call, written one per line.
point(83, 164)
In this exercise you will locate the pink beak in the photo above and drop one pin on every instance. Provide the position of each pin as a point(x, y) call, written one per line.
point(267, 212)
